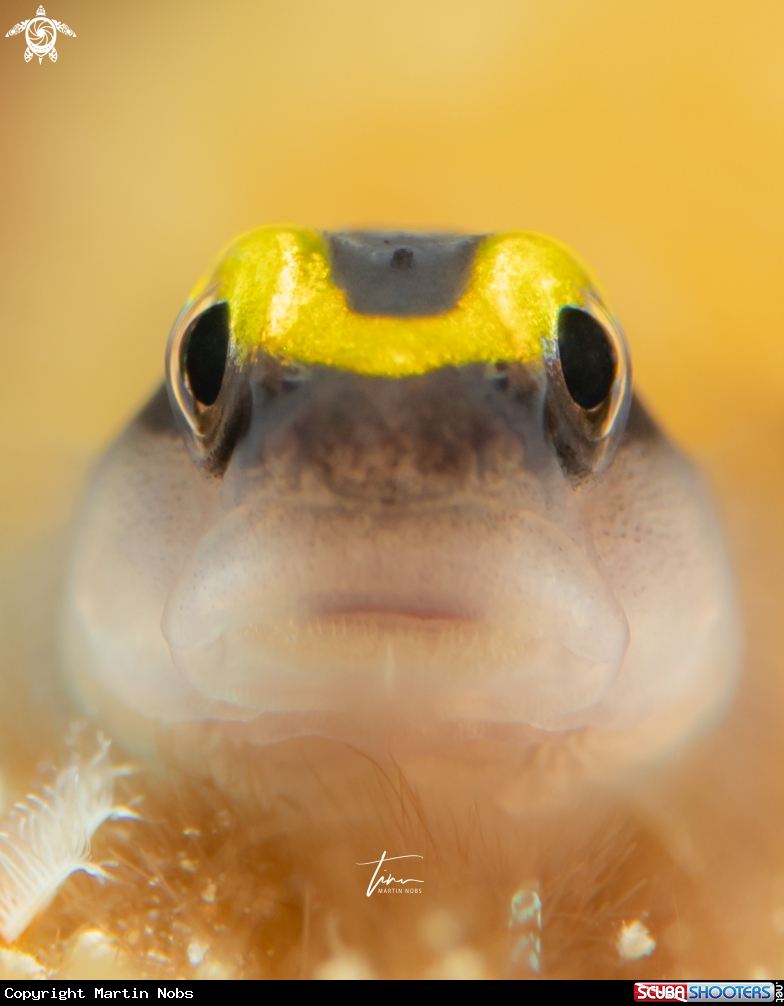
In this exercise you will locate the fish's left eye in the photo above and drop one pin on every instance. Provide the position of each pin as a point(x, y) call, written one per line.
point(588, 359)
point(589, 386)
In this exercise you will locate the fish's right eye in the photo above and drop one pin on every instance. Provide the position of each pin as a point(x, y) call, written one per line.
point(200, 375)
point(205, 350)
point(208, 390)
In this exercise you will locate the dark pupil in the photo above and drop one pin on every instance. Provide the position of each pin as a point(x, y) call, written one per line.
point(206, 350)
point(587, 357)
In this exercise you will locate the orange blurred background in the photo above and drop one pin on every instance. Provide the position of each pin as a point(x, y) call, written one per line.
point(650, 137)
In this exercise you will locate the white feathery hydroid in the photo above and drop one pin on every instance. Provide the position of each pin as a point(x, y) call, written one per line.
point(47, 838)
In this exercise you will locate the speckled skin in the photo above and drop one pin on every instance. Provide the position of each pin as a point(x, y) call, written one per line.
point(400, 562)
point(440, 613)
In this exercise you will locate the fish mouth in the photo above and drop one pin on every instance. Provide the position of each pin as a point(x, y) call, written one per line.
point(404, 611)
point(404, 645)
point(367, 647)
point(394, 621)
point(459, 618)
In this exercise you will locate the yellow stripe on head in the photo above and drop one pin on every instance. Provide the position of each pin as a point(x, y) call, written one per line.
point(283, 301)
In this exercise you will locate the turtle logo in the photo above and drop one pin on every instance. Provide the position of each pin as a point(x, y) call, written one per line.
point(40, 33)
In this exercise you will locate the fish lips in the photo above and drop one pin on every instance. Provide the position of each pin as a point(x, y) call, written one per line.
point(454, 621)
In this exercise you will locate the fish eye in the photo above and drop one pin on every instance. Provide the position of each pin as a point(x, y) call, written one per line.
point(208, 392)
point(588, 357)
point(589, 387)
point(205, 351)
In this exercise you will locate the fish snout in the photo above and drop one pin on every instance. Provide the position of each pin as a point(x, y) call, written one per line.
point(381, 440)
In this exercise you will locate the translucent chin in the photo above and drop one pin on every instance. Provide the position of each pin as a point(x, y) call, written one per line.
point(447, 620)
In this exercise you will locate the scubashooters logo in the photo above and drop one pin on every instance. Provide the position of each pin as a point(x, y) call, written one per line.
point(391, 884)
point(40, 32)
point(705, 991)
